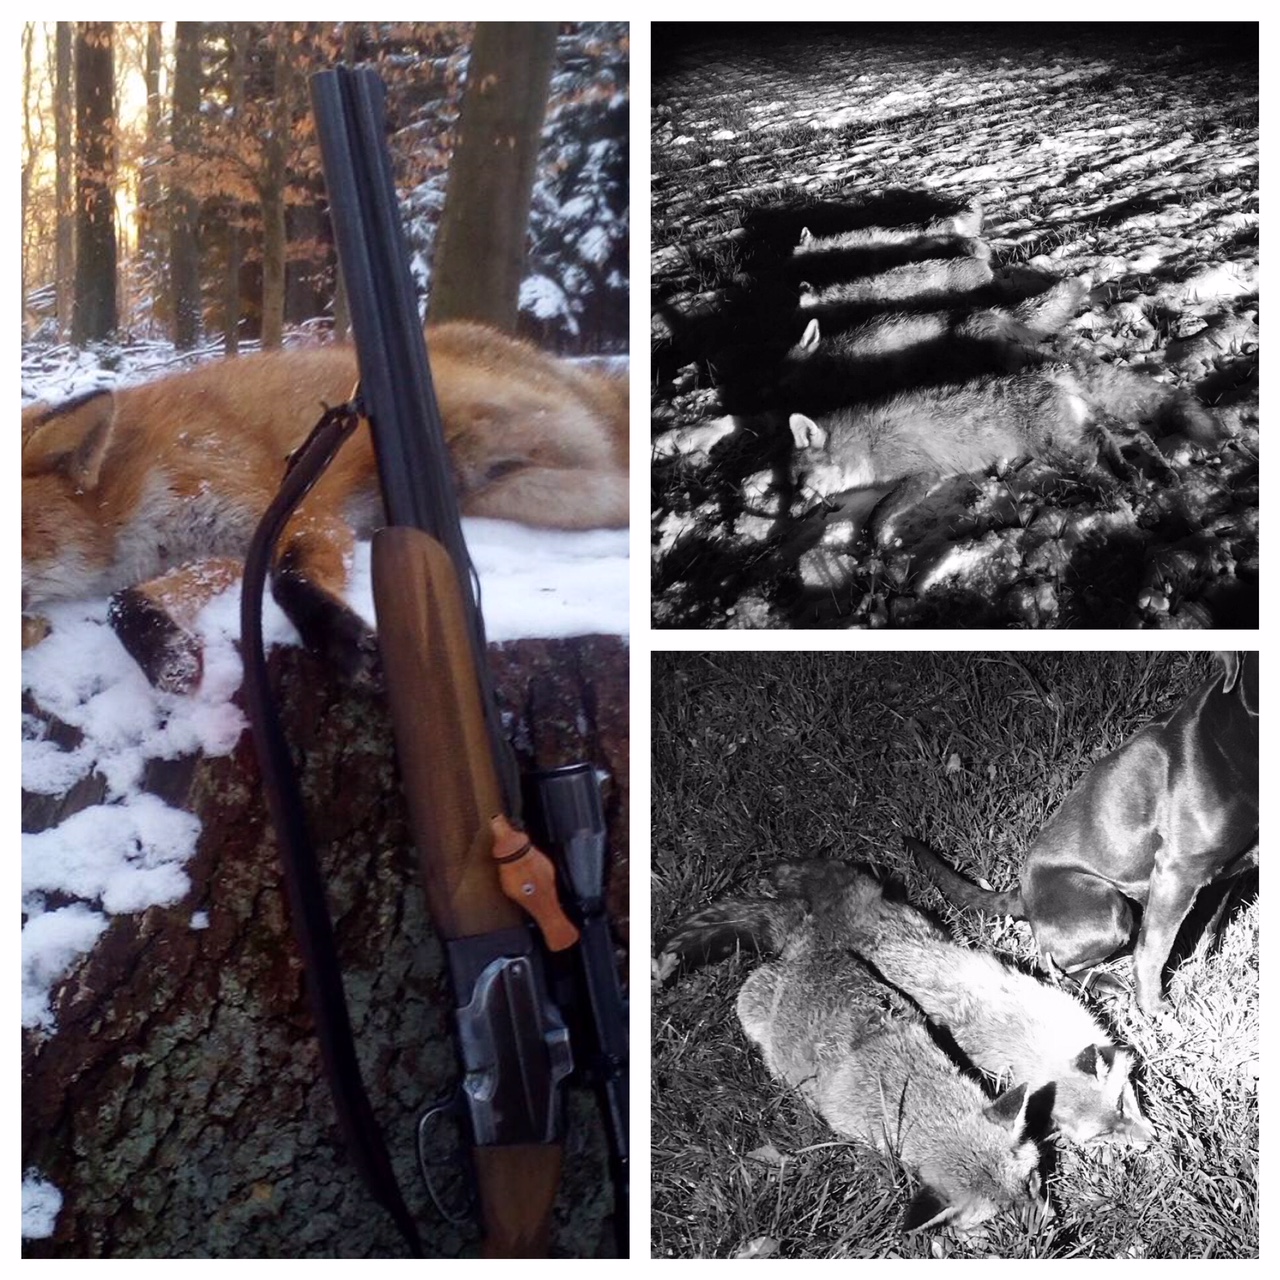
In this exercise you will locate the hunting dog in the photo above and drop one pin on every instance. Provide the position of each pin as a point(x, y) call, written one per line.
point(1172, 810)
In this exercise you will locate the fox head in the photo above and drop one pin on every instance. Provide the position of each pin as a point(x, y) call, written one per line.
point(1094, 1100)
point(66, 544)
point(821, 470)
point(997, 1167)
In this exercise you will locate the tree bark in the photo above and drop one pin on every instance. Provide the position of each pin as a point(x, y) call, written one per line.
point(274, 177)
point(238, 39)
point(480, 256)
point(150, 197)
point(28, 165)
point(180, 1106)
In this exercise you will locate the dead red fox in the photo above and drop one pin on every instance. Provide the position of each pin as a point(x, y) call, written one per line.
point(152, 492)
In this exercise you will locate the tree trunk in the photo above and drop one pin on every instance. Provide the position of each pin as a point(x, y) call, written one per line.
point(479, 261)
point(28, 164)
point(180, 1107)
point(239, 41)
point(184, 208)
point(94, 315)
point(64, 136)
point(150, 193)
point(273, 199)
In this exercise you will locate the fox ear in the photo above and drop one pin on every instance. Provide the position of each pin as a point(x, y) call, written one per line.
point(805, 235)
point(1230, 661)
point(1008, 1108)
point(810, 338)
point(72, 439)
point(806, 433)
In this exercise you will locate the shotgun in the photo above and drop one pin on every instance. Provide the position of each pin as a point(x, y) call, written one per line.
point(484, 879)
point(458, 771)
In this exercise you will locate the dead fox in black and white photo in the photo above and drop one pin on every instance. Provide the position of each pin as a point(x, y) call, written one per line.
point(893, 452)
point(945, 258)
point(1006, 1023)
point(893, 351)
point(863, 1058)
point(909, 282)
point(937, 234)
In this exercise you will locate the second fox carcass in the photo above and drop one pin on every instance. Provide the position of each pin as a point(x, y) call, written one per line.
point(863, 1058)
point(909, 397)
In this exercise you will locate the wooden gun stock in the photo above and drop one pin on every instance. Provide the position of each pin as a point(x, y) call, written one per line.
point(517, 1187)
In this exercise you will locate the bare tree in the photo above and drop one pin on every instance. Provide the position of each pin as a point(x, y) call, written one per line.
point(28, 158)
point(237, 58)
point(273, 180)
point(480, 252)
point(184, 208)
point(95, 294)
point(150, 206)
point(64, 216)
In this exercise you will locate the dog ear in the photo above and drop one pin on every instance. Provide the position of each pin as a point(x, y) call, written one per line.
point(1230, 669)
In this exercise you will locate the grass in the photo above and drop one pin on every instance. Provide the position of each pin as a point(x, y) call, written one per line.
point(758, 756)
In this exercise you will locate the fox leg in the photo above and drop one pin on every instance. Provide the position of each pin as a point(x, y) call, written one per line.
point(154, 620)
point(308, 581)
point(555, 497)
point(898, 500)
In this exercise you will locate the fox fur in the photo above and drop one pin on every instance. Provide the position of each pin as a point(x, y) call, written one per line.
point(897, 449)
point(912, 348)
point(152, 492)
point(1005, 1022)
point(863, 1058)
point(1014, 334)
point(941, 231)
point(908, 282)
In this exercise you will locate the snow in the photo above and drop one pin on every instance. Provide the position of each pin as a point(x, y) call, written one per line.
point(41, 1201)
point(126, 853)
point(1141, 176)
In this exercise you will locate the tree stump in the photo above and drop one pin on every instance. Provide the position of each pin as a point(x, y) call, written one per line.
point(180, 1106)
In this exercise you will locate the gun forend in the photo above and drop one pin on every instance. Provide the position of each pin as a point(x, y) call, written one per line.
point(445, 756)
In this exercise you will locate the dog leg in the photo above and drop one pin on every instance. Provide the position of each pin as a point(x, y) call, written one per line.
point(1169, 899)
point(1078, 920)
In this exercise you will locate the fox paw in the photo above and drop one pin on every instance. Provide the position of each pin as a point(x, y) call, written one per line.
point(170, 656)
point(332, 631)
point(34, 630)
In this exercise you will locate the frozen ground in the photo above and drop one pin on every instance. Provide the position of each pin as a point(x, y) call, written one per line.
point(1128, 157)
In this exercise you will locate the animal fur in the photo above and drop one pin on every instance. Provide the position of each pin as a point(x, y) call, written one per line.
point(1006, 1023)
point(863, 1058)
point(153, 491)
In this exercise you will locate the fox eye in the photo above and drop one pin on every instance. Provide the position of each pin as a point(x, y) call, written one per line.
point(502, 467)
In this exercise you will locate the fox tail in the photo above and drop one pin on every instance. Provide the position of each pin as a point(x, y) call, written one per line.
point(758, 925)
